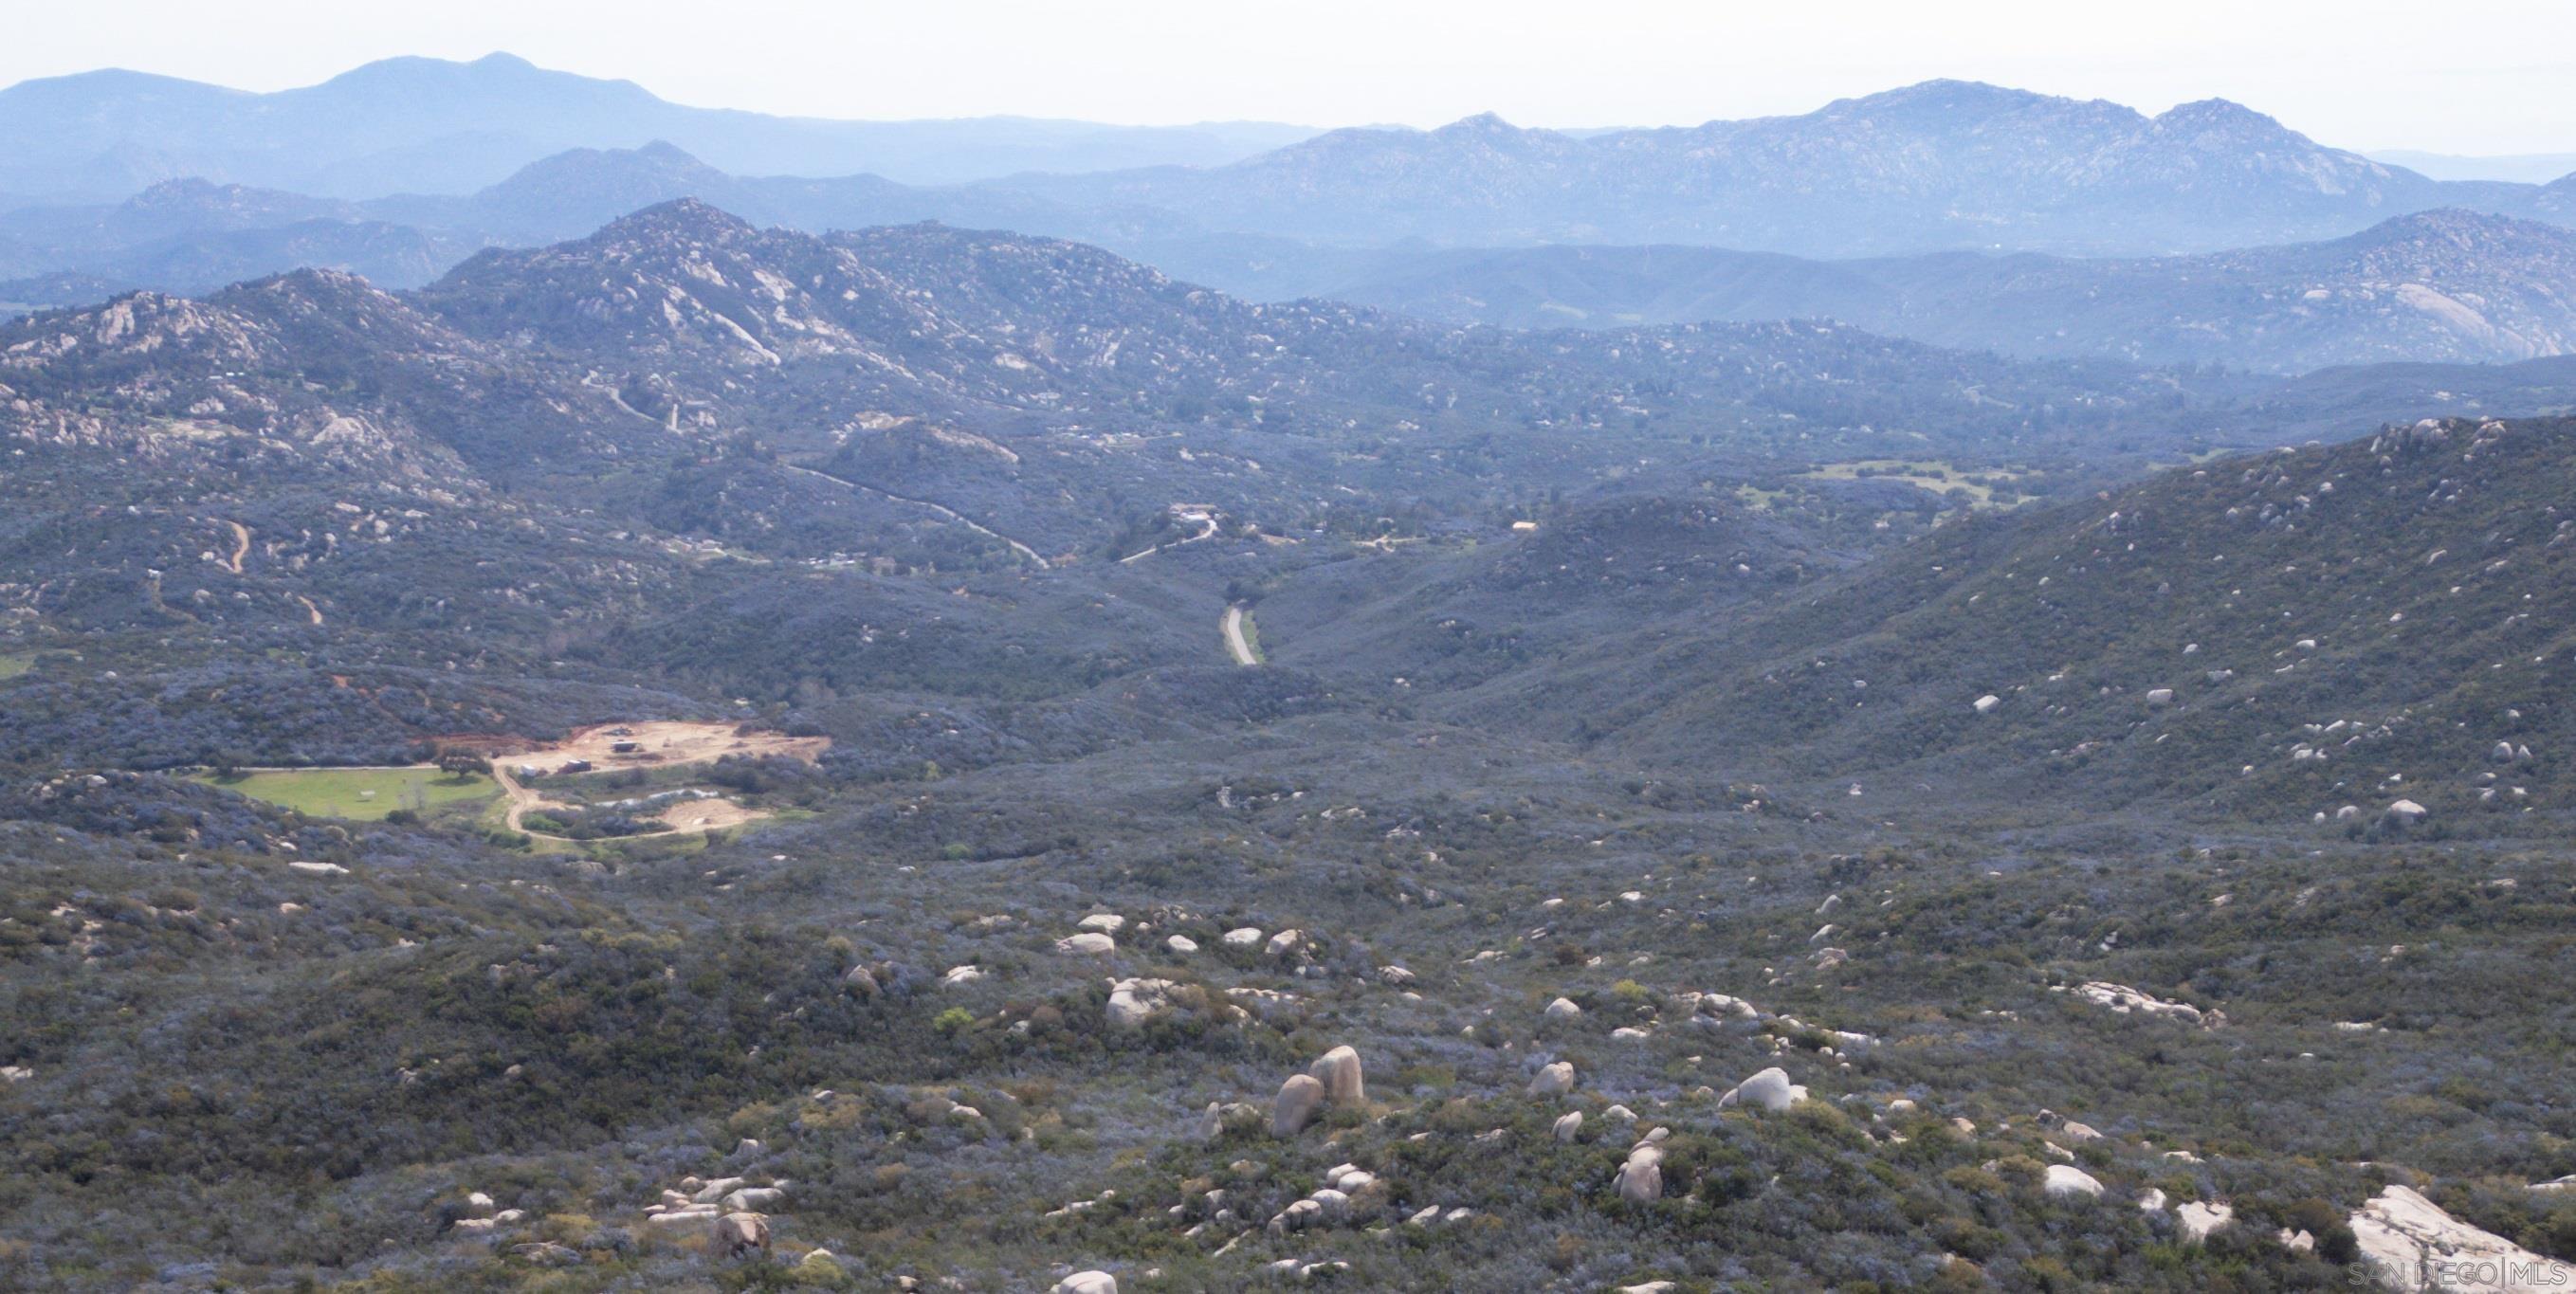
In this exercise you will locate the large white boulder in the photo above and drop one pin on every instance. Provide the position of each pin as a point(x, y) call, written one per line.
point(1242, 937)
point(1768, 1090)
point(1554, 1080)
point(1563, 1009)
point(1087, 1283)
point(1569, 1125)
point(1641, 1179)
point(1286, 942)
point(740, 1233)
point(1339, 1071)
point(2066, 1181)
point(2415, 1246)
point(1107, 923)
point(1295, 1107)
point(2199, 1219)
point(1090, 943)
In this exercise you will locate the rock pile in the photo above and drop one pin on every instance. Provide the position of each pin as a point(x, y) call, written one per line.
point(1134, 1001)
point(1334, 1078)
point(2123, 999)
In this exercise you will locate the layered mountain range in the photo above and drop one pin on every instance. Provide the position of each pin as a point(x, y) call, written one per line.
point(923, 398)
point(2447, 285)
point(436, 126)
point(2441, 285)
point(1951, 212)
point(1935, 166)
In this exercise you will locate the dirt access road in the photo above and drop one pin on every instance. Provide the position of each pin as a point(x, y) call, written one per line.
point(942, 509)
point(1235, 643)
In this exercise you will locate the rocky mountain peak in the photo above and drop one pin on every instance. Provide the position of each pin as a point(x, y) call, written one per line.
point(2213, 125)
point(1944, 98)
point(690, 219)
point(1483, 123)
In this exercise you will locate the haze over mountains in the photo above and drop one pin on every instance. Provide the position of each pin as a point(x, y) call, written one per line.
point(1939, 165)
point(1980, 197)
point(426, 125)
point(2524, 168)
point(2446, 285)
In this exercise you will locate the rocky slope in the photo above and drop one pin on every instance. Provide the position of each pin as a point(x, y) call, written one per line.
point(2311, 636)
point(1534, 941)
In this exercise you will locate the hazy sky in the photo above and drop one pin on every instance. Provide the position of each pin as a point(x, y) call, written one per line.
point(2472, 76)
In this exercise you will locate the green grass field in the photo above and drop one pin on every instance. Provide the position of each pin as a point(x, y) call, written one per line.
point(13, 664)
point(365, 794)
point(1934, 475)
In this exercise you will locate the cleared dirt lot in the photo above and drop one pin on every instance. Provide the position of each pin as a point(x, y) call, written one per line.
point(670, 742)
point(660, 743)
point(710, 815)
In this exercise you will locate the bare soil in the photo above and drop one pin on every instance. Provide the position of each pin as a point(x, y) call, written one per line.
point(660, 742)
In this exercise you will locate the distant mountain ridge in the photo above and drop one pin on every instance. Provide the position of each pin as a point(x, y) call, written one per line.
point(1477, 221)
point(2444, 285)
point(432, 125)
point(192, 235)
point(1936, 166)
point(2525, 168)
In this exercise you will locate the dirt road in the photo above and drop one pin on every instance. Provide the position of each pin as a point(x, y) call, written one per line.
point(942, 509)
point(241, 546)
point(1235, 641)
